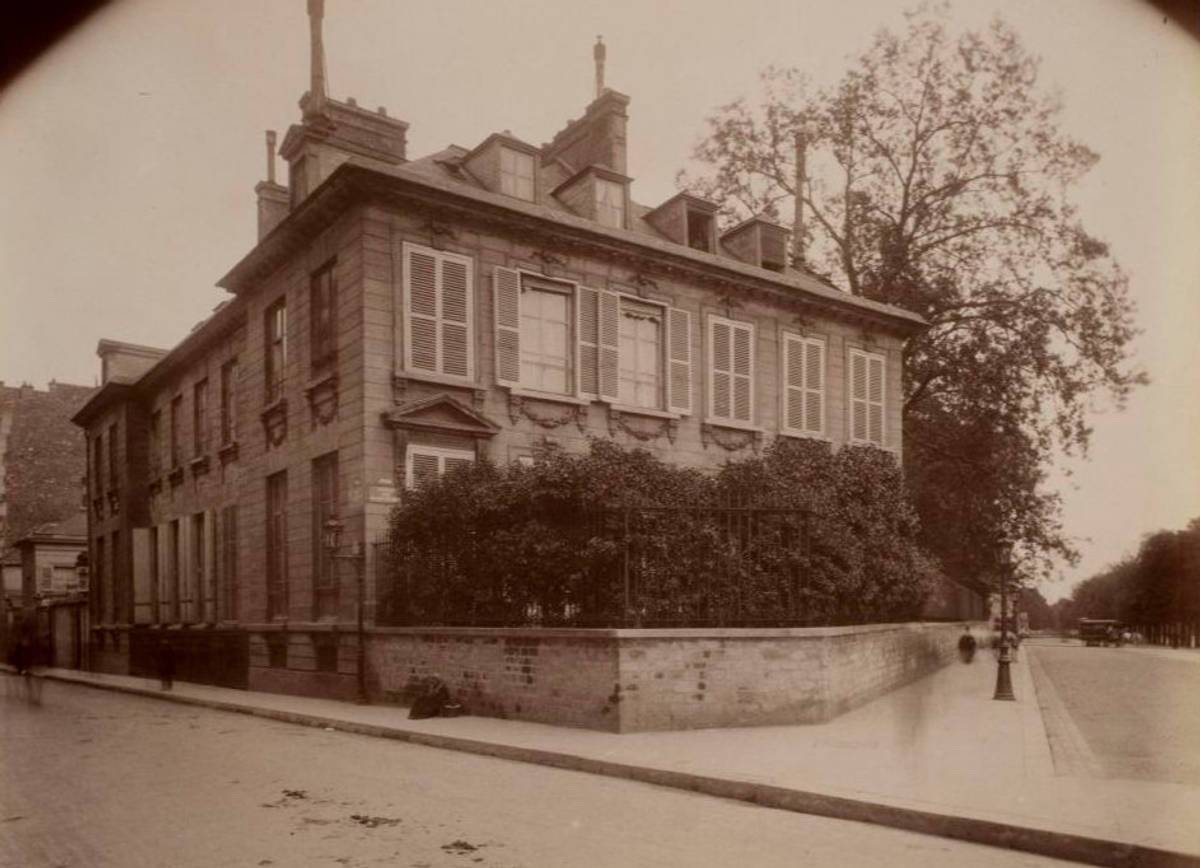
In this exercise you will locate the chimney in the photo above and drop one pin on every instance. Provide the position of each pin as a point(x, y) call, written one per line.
point(599, 53)
point(272, 196)
point(317, 88)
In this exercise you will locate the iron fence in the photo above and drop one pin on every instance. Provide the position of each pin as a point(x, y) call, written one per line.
point(628, 566)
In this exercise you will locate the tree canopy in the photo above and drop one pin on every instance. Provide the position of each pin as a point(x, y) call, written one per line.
point(937, 178)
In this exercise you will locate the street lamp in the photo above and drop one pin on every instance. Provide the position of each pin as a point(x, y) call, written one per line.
point(332, 539)
point(1004, 688)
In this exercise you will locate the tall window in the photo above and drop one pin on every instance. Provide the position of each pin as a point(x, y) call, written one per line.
point(99, 589)
point(277, 545)
point(229, 402)
point(323, 309)
point(113, 475)
point(731, 371)
point(200, 418)
point(229, 563)
point(174, 569)
point(176, 422)
point(545, 336)
point(155, 577)
point(197, 558)
point(610, 203)
point(438, 313)
point(275, 331)
point(641, 356)
point(155, 443)
point(118, 581)
point(325, 507)
point(516, 173)
point(866, 398)
point(424, 464)
point(98, 464)
point(803, 385)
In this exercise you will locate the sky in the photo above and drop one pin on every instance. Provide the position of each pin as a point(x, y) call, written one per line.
point(129, 154)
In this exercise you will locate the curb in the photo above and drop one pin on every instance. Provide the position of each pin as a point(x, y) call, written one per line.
point(1058, 845)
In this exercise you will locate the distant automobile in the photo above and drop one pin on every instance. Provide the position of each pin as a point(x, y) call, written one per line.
point(1100, 631)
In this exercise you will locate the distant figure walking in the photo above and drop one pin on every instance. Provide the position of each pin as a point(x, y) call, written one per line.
point(166, 662)
point(22, 660)
point(966, 645)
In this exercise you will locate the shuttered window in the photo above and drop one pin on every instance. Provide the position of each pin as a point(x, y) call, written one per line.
point(640, 365)
point(803, 385)
point(438, 313)
point(424, 464)
point(516, 173)
point(546, 338)
point(866, 397)
point(731, 371)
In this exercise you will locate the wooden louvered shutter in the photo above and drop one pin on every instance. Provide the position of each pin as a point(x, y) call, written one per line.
point(142, 575)
point(210, 566)
point(187, 598)
point(793, 383)
point(858, 397)
point(814, 386)
point(587, 303)
point(423, 469)
point(420, 310)
point(455, 284)
point(507, 302)
point(452, 463)
point(875, 399)
point(720, 370)
point(164, 573)
point(743, 374)
point(609, 347)
point(679, 361)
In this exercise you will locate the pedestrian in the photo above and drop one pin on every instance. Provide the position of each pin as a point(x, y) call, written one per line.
point(166, 662)
point(22, 661)
point(966, 645)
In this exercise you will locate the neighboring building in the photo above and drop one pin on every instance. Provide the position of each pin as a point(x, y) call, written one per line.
point(50, 560)
point(400, 316)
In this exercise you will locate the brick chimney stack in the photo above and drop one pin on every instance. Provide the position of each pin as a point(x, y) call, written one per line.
point(273, 201)
point(599, 54)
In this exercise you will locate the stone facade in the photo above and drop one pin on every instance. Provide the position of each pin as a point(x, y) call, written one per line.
point(372, 336)
point(640, 680)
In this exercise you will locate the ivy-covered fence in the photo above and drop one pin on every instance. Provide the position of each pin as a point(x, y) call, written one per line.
point(798, 537)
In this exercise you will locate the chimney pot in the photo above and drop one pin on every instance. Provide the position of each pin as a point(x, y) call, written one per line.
point(382, 110)
point(351, 101)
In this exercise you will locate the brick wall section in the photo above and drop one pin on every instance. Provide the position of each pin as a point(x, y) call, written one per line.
point(642, 680)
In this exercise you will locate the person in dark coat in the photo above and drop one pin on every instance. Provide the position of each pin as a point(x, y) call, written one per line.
point(966, 645)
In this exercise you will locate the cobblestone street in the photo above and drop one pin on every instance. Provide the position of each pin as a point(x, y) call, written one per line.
point(91, 778)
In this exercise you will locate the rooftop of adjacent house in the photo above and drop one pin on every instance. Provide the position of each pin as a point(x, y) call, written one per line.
point(71, 529)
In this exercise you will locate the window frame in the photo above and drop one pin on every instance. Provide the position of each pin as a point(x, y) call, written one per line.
point(276, 549)
point(868, 356)
point(408, 369)
point(604, 206)
point(229, 420)
point(324, 574)
point(200, 418)
point(710, 417)
point(176, 418)
point(569, 290)
point(662, 315)
point(804, 340)
point(275, 349)
point(322, 296)
point(439, 452)
point(517, 178)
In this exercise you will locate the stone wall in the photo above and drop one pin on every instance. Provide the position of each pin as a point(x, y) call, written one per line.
point(639, 680)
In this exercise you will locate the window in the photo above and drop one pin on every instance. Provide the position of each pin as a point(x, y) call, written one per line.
point(546, 336)
point(277, 545)
point(200, 418)
point(803, 385)
point(174, 553)
point(699, 230)
point(438, 313)
point(325, 507)
point(112, 456)
point(99, 587)
point(640, 366)
point(564, 339)
point(516, 174)
point(731, 371)
point(229, 563)
point(424, 464)
point(866, 397)
point(323, 299)
point(98, 464)
point(155, 443)
point(116, 580)
point(229, 372)
point(198, 571)
point(155, 577)
point(610, 203)
point(176, 421)
point(275, 330)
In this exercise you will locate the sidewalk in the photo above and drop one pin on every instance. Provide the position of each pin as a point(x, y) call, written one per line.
point(939, 757)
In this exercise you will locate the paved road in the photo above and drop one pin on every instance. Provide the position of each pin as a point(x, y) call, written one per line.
point(1136, 710)
point(92, 778)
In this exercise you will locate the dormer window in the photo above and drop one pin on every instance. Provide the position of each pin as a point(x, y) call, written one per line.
point(610, 203)
point(516, 174)
point(699, 230)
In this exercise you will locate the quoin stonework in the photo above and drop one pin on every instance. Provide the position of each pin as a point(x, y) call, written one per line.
point(399, 315)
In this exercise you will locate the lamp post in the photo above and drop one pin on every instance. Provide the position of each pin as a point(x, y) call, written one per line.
point(1004, 688)
point(332, 541)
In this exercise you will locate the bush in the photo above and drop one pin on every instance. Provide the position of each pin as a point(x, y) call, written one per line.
point(800, 535)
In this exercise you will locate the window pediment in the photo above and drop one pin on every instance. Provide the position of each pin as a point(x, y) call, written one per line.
point(441, 414)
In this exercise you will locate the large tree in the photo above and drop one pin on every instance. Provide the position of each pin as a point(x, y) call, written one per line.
point(937, 178)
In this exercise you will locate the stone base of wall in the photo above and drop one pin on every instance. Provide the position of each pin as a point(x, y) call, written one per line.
point(640, 680)
point(291, 661)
